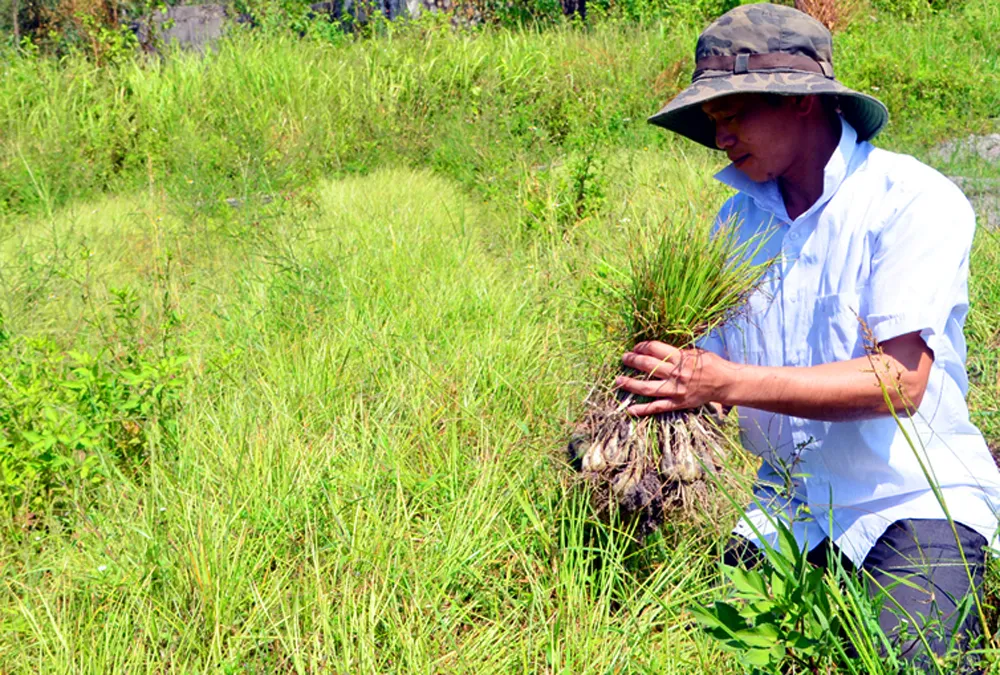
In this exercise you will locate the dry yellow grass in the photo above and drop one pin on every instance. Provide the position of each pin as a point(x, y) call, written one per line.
point(834, 14)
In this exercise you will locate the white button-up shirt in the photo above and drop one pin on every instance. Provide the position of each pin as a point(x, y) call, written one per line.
point(884, 249)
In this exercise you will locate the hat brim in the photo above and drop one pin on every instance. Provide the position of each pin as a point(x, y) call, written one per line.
point(683, 114)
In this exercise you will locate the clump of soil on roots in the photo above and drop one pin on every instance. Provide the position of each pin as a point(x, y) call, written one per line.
point(644, 470)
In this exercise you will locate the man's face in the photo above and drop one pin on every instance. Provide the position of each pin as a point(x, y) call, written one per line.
point(760, 139)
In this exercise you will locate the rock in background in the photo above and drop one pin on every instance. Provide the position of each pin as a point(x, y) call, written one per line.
point(986, 147)
point(198, 26)
point(983, 192)
point(189, 26)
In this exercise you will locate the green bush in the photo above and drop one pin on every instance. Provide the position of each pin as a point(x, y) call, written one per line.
point(781, 613)
point(652, 10)
point(911, 9)
point(71, 418)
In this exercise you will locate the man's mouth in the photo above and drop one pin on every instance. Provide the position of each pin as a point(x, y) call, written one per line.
point(741, 159)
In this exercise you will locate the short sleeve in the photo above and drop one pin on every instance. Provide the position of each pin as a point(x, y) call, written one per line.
point(920, 265)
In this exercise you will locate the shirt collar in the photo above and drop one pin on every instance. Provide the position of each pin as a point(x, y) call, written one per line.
point(767, 195)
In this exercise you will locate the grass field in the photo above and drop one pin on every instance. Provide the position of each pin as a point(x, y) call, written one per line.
point(327, 421)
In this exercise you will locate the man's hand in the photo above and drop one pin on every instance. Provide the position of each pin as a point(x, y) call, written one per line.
point(857, 389)
point(678, 378)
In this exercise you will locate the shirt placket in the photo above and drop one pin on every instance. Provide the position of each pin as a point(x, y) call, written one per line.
point(794, 335)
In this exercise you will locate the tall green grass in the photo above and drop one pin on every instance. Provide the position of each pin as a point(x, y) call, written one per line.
point(983, 331)
point(685, 283)
point(364, 478)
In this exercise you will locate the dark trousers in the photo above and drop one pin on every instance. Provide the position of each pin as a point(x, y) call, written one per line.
point(917, 566)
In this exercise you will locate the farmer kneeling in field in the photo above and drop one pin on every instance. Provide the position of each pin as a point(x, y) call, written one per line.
point(867, 296)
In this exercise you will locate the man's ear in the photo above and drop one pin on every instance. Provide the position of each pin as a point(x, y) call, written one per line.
point(804, 105)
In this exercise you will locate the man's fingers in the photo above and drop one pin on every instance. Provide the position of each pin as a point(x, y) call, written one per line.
point(647, 364)
point(660, 406)
point(660, 350)
point(655, 388)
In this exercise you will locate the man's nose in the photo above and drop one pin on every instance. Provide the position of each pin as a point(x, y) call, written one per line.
point(724, 139)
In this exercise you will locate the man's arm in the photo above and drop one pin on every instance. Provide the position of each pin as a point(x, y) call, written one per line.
point(836, 392)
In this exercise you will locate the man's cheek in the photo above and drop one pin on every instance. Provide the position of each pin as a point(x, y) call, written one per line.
point(749, 139)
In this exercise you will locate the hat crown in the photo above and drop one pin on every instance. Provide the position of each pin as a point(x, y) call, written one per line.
point(765, 49)
point(764, 29)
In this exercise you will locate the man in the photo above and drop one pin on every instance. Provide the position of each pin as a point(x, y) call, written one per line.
point(860, 316)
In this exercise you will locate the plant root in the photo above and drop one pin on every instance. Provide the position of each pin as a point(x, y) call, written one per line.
point(646, 469)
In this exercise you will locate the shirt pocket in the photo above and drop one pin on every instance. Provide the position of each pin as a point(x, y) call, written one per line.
point(753, 335)
point(836, 333)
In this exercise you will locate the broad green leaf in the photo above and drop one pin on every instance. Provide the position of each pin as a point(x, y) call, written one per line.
point(760, 658)
point(749, 582)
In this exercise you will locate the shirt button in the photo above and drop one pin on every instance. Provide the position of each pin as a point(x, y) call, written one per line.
point(794, 236)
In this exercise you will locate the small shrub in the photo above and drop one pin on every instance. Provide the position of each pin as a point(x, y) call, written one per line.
point(914, 9)
point(71, 418)
point(781, 613)
point(789, 616)
point(555, 199)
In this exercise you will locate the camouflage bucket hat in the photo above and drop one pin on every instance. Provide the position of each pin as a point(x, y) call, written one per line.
point(764, 49)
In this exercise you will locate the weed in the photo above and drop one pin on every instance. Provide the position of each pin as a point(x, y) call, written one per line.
point(783, 616)
point(72, 418)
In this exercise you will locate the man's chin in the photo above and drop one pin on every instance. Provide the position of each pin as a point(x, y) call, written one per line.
point(753, 173)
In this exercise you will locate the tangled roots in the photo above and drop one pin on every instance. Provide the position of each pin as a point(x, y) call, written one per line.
point(647, 468)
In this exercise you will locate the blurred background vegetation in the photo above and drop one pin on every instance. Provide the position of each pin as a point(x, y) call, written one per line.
point(62, 26)
point(277, 105)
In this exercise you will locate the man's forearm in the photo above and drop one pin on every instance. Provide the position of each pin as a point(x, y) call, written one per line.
point(680, 379)
point(835, 392)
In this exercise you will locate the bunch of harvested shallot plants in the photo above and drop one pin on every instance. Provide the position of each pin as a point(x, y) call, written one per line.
point(675, 289)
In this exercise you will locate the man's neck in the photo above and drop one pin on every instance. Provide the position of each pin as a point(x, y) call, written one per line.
point(802, 184)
